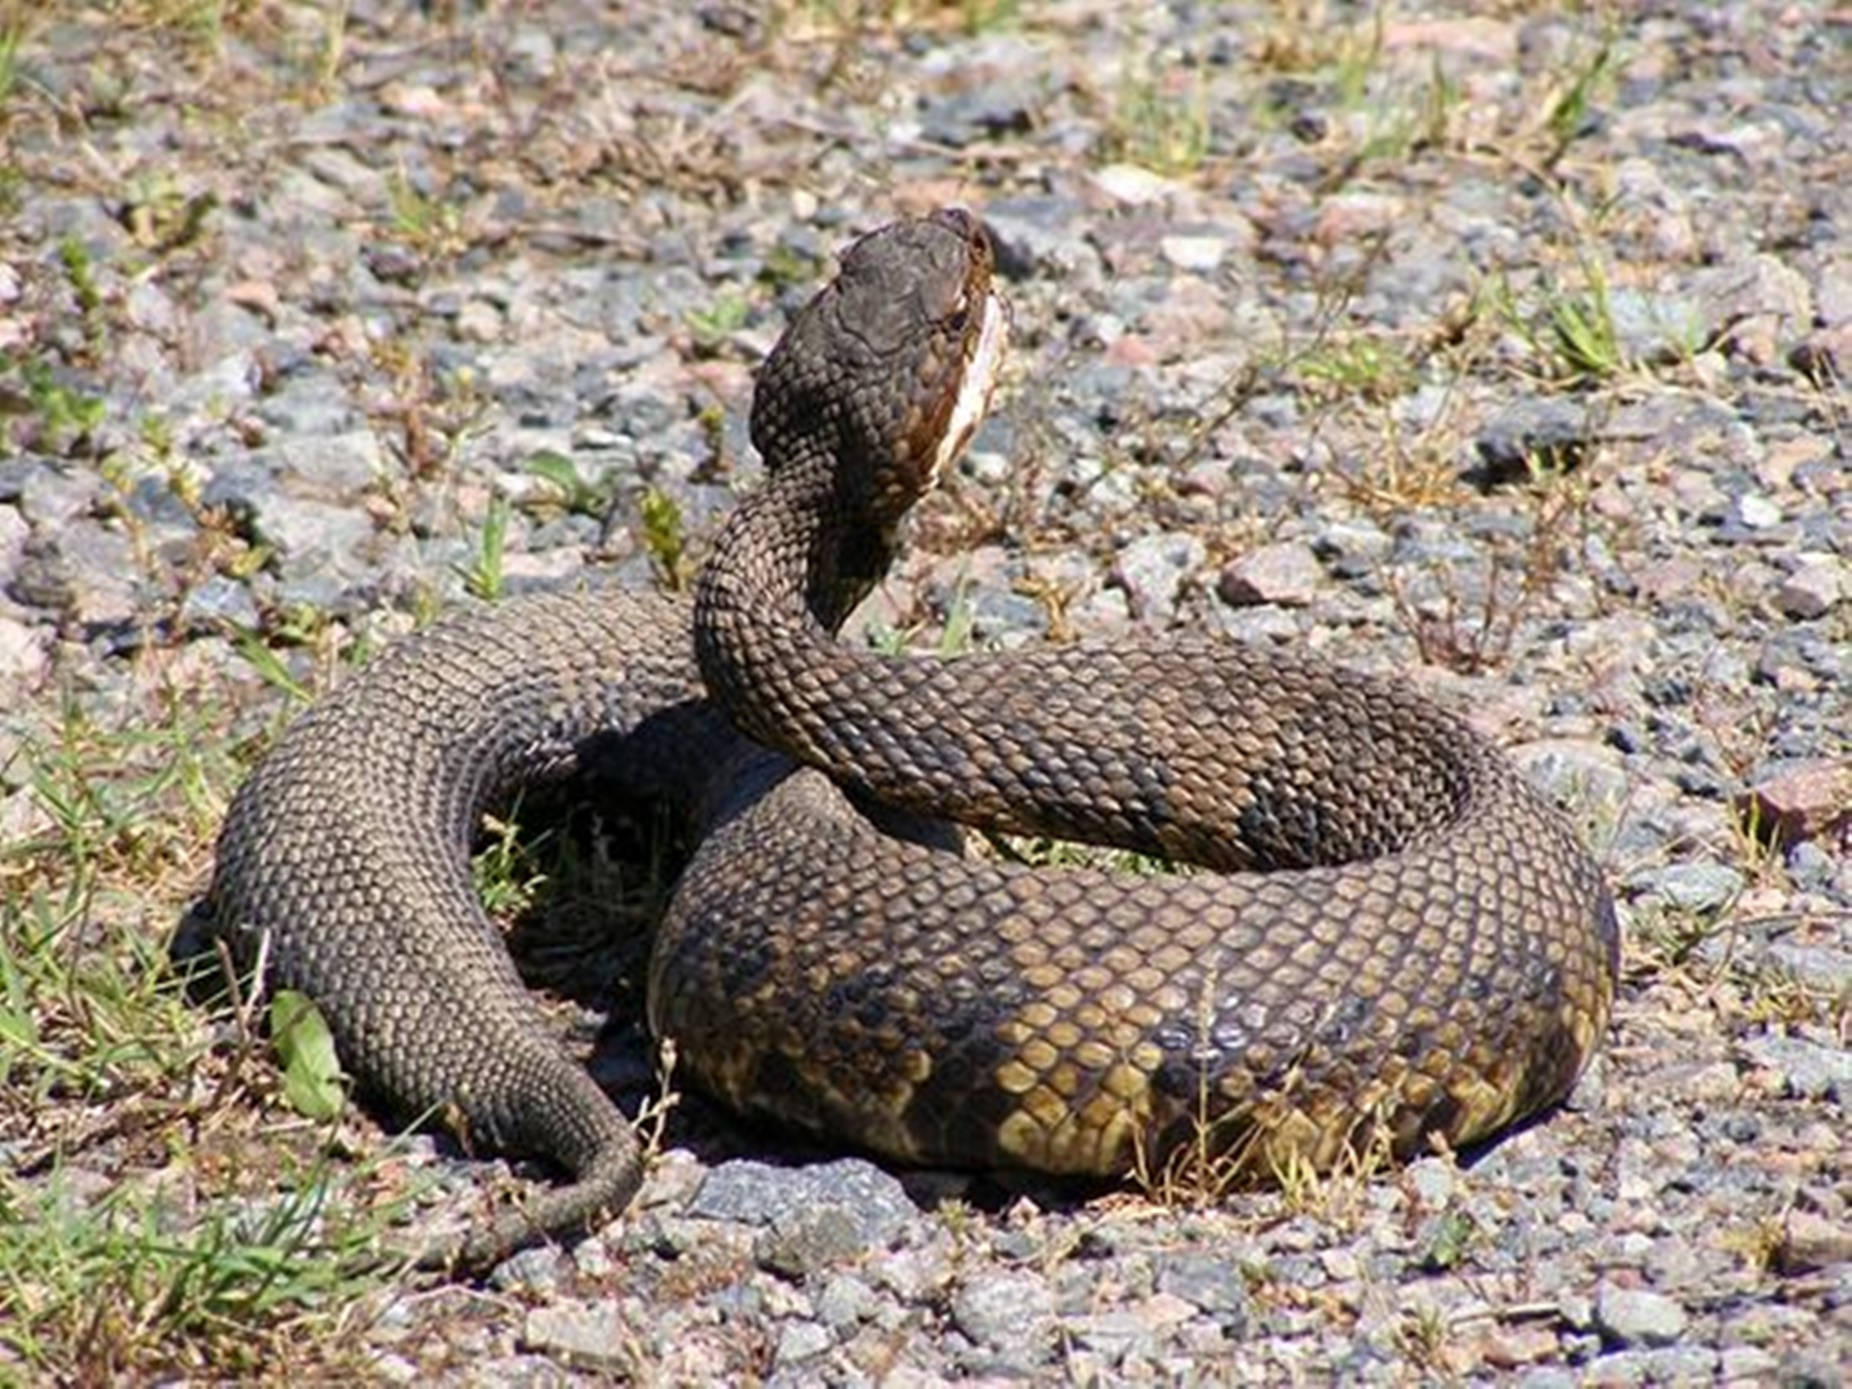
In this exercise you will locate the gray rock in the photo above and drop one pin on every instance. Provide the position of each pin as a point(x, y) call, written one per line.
point(1548, 432)
point(1810, 1370)
point(1757, 300)
point(25, 652)
point(1575, 772)
point(1152, 569)
point(814, 1216)
point(984, 112)
point(1351, 548)
point(1809, 1070)
point(1655, 327)
point(216, 603)
point(800, 1340)
point(1746, 1363)
point(309, 405)
point(532, 1273)
point(394, 1369)
point(1637, 1316)
point(1690, 887)
point(1200, 253)
point(1823, 968)
point(1810, 866)
point(14, 532)
point(308, 534)
point(1433, 1180)
point(846, 1301)
point(1212, 1283)
point(1041, 236)
point(1000, 615)
point(588, 1333)
point(918, 1274)
point(337, 465)
point(805, 1241)
point(1548, 1377)
point(1812, 589)
point(1008, 1310)
point(1112, 1336)
point(1755, 512)
point(100, 566)
point(1286, 574)
point(54, 493)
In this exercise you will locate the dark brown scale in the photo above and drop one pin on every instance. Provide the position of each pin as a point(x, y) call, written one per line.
point(1426, 945)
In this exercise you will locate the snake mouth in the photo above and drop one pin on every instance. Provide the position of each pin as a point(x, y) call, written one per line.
point(984, 348)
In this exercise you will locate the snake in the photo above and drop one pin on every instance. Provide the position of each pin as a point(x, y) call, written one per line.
point(1385, 939)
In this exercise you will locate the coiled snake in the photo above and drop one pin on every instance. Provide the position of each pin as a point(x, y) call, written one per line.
point(1401, 942)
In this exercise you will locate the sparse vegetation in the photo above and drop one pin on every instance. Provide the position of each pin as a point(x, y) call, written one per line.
point(101, 1056)
point(1417, 232)
point(98, 1288)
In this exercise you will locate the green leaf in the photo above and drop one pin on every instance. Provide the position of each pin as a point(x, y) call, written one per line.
point(18, 1028)
point(269, 665)
point(312, 1076)
point(557, 469)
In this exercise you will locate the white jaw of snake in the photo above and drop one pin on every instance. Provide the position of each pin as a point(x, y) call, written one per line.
point(974, 391)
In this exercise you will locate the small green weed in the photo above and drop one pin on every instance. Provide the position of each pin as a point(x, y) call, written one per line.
point(427, 225)
point(1582, 327)
point(106, 1069)
point(956, 637)
point(1569, 332)
point(507, 871)
point(261, 658)
point(162, 219)
point(1359, 58)
point(1369, 368)
point(1160, 125)
point(665, 537)
point(80, 274)
point(712, 326)
point(1570, 108)
point(64, 417)
point(1451, 1243)
point(12, 36)
point(482, 576)
point(571, 492)
point(331, 49)
point(785, 267)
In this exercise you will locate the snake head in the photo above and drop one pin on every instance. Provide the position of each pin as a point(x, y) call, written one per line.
point(883, 378)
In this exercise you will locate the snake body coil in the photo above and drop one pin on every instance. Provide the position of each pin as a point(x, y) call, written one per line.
point(1401, 942)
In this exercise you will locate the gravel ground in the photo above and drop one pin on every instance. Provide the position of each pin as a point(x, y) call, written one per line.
point(1501, 352)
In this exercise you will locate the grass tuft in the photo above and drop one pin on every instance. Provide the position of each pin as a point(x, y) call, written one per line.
point(128, 1285)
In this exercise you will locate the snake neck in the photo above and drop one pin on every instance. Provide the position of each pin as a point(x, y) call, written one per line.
point(792, 563)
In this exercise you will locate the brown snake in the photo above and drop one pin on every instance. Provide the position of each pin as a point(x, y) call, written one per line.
point(1402, 943)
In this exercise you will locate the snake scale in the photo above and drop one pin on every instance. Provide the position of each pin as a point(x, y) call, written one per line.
point(1400, 942)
